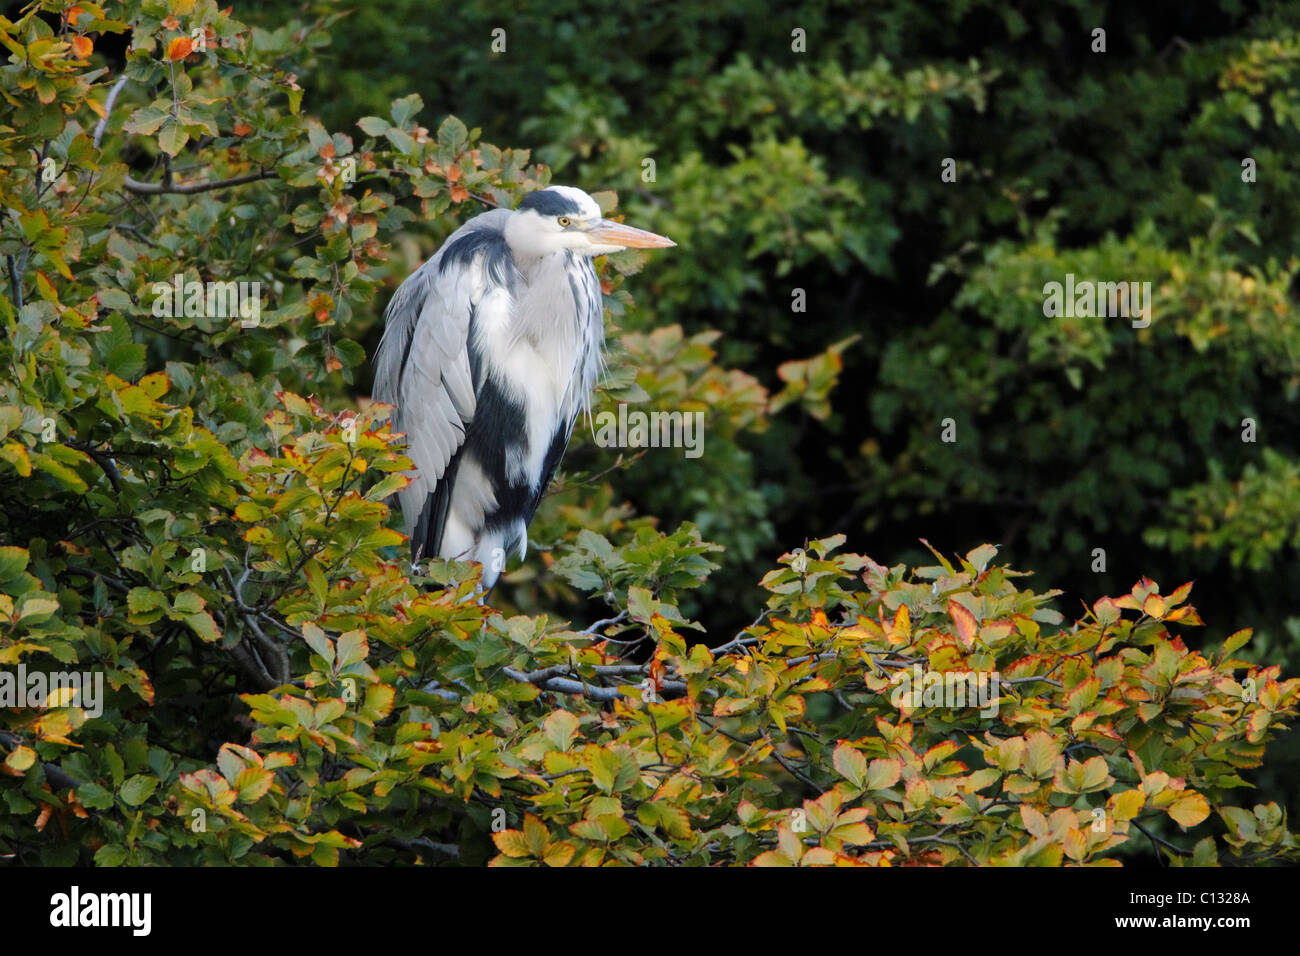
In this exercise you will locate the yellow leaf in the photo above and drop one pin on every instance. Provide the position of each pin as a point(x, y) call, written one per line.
point(511, 843)
point(1075, 844)
point(883, 773)
point(902, 626)
point(61, 697)
point(1035, 822)
point(559, 854)
point(1127, 805)
point(536, 835)
point(1189, 809)
point(21, 759)
point(1041, 753)
point(818, 856)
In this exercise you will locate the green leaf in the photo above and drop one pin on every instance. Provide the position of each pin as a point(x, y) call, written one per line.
point(13, 561)
point(142, 600)
point(405, 109)
point(188, 602)
point(94, 797)
point(452, 135)
point(110, 855)
point(981, 556)
point(127, 361)
point(318, 642)
point(137, 789)
point(172, 138)
point(204, 626)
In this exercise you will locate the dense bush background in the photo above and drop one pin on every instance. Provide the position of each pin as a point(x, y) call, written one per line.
point(776, 171)
point(821, 172)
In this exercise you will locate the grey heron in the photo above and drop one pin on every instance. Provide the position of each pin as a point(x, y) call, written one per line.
point(490, 352)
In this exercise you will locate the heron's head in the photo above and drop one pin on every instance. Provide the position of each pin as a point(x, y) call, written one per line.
point(561, 218)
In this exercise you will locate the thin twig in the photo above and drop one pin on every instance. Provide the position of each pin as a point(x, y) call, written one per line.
point(740, 640)
point(108, 108)
point(1173, 848)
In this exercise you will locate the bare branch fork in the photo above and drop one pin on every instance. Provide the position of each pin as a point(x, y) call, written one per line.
point(168, 187)
point(275, 651)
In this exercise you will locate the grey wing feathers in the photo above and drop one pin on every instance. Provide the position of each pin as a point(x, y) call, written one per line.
point(422, 366)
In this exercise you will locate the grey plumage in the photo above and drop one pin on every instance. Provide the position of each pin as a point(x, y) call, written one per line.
point(490, 352)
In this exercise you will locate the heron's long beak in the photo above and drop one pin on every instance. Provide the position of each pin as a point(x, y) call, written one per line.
point(607, 233)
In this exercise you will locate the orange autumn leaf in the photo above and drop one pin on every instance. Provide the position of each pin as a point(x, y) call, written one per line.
point(179, 49)
point(82, 47)
point(242, 128)
point(459, 194)
point(322, 307)
point(965, 621)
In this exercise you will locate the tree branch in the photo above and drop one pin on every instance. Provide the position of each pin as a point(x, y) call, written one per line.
point(105, 462)
point(153, 189)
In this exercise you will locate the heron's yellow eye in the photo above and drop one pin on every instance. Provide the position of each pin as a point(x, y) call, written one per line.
point(563, 221)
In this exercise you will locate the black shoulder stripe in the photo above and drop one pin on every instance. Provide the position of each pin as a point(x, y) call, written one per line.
point(491, 243)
